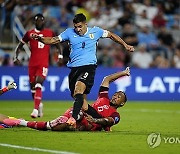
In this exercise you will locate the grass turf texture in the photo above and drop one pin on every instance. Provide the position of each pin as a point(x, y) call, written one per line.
point(138, 120)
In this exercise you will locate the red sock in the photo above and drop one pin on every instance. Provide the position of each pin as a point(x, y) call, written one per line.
point(37, 98)
point(37, 125)
point(5, 89)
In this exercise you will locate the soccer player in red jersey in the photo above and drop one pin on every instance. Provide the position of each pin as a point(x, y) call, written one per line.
point(38, 62)
point(107, 108)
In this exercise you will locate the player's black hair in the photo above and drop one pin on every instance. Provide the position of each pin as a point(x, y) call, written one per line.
point(79, 18)
point(125, 97)
point(39, 15)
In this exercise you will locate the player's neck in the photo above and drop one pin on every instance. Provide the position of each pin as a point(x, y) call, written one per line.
point(86, 31)
point(38, 30)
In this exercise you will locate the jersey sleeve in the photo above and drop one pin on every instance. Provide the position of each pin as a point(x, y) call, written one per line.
point(103, 92)
point(101, 32)
point(64, 36)
point(116, 117)
point(26, 38)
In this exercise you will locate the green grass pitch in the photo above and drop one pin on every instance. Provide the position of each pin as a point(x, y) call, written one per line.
point(138, 120)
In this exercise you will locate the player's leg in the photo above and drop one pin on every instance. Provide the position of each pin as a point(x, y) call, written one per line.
point(31, 124)
point(58, 124)
point(11, 85)
point(32, 85)
point(40, 75)
point(32, 79)
point(38, 98)
point(84, 77)
point(88, 79)
point(78, 96)
point(2, 117)
point(89, 109)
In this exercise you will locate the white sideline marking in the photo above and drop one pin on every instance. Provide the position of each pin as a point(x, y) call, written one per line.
point(35, 149)
point(151, 110)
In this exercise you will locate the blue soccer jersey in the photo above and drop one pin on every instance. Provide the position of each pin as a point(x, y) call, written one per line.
point(83, 48)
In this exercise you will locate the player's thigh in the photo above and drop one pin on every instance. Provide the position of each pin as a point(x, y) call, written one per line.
point(41, 74)
point(87, 77)
point(32, 74)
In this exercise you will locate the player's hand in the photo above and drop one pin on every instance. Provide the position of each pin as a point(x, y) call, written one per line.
point(127, 71)
point(129, 48)
point(12, 85)
point(89, 118)
point(17, 62)
point(60, 61)
point(35, 36)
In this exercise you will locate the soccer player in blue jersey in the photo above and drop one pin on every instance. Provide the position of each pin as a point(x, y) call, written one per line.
point(82, 59)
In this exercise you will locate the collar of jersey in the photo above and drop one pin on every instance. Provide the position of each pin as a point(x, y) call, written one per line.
point(86, 31)
point(37, 31)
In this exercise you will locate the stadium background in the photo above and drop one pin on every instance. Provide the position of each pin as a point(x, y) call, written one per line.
point(152, 27)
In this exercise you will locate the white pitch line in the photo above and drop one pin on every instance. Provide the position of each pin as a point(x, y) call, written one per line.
point(36, 149)
point(151, 110)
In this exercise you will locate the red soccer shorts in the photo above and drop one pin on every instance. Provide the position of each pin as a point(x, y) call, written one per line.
point(35, 71)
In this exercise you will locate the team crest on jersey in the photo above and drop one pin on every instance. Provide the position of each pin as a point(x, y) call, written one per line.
point(91, 36)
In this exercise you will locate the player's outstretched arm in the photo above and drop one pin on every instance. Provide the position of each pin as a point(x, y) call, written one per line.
point(17, 51)
point(108, 121)
point(112, 77)
point(46, 40)
point(117, 39)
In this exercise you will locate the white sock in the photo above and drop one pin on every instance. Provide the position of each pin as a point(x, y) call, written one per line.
point(48, 125)
point(23, 123)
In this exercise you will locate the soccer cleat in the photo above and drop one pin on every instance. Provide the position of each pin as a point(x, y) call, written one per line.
point(72, 122)
point(34, 113)
point(40, 110)
point(12, 122)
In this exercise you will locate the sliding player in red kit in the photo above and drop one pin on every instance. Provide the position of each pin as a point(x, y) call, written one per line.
point(38, 62)
point(106, 108)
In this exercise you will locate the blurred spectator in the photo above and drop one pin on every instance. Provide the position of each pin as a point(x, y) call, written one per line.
point(142, 20)
point(159, 20)
point(165, 37)
point(160, 62)
point(83, 10)
point(129, 35)
point(64, 19)
point(141, 58)
point(118, 56)
point(146, 5)
point(72, 6)
point(92, 6)
point(166, 41)
point(176, 57)
point(2, 53)
point(145, 36)
point(125, 19)
point(170, 7)
point(104, 58)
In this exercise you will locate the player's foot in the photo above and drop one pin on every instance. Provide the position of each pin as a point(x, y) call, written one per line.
point(72, 122)
point(12, 122)
point(34, 113)
point(40, 110)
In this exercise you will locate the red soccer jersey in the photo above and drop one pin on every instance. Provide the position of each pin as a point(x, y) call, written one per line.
point(102, 106)
point(39, 51)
